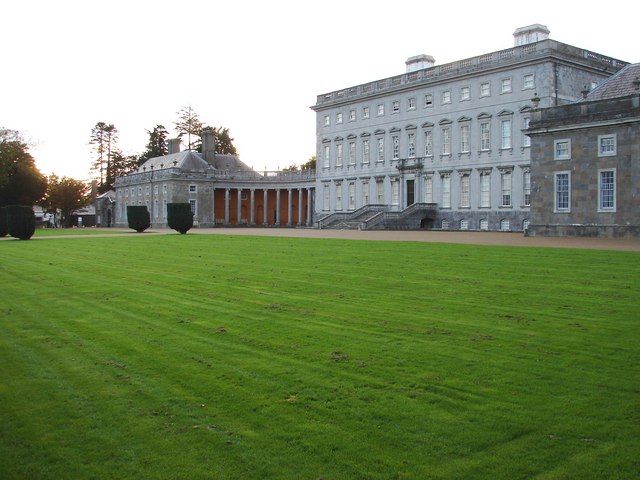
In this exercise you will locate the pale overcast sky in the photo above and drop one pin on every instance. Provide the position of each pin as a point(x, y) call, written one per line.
point(254, 67)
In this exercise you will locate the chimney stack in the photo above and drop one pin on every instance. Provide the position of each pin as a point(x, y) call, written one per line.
point(208, 144)
point(174, 145)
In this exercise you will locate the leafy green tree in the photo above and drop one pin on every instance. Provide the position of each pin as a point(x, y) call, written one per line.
point(21, 183)
point(222, 140)
point(310, 164)
point(188, 123)
point(120, 165)
point(157, 145)
point(291, 168)
point(65, 195)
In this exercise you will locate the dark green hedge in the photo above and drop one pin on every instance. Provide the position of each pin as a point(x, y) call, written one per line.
point(4, 228)
point(138, 217)
point(179, 217)
point(21, 221)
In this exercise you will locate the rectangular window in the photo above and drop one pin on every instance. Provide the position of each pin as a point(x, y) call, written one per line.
point(485, 89)
point(194, 207)
point(465, 93)
point(339, 155)
point(380, 192)
point(338, 196)
point(325, 197)
point(428, 100)
point(164, 189)
point(607, 145)
point(526, 139)
point(352, 115)
point(526, 187)
point(446, 96)
point(464, 224)
point(396, 147)
point(485, 189)
point(155, 209)
point(139, 191)
point(411, 104)
point(446, 191)
point(395, 192)
point(338, 117)
point(327, 120)
point(528, 82)
point(365, 151)
point(164, 209)
point(381, 149)
point(446, 141)
point(428, 143)
point(506, 134)
point(607, 190)
point(365, 112)
point(485, 136)
point(365, 193)
point(505, 186)
point(562, 192)
point(352, 153)
point(155, 189)
point(352, 196)
point(411, 145)
point(464, 191)
point(326, 156)
point(464, 138)
point(562, 149)
point(381, 109)
point(193, 188)
point(428, 189)
point(505, 85)
point(395, 106)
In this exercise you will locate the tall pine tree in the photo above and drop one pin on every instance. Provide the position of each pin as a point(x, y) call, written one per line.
point(189, 124)
point(157, 145)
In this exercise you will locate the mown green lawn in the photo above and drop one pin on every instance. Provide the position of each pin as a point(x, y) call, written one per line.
point(222, 357)
point(54, 232)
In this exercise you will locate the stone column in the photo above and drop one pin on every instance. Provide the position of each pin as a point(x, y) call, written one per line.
point(289, 209)
point(226, 206)
point(252, 215)
point(300, 207)
point(239, 209)
point(278, 207)
point(265, 209)
point(309, 207)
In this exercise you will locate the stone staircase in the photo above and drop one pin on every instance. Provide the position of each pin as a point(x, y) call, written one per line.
point(349, 220)
point(378, 217)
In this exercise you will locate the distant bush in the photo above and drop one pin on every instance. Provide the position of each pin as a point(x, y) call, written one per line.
point(21, 221)
point(4, 228)
point(138, 217)
point(179, 217)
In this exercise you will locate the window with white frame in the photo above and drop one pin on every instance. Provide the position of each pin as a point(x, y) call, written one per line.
point(339, 155)
point(526, 139)
point(194, 207)
point(352, 153)
point(352, 115)
point(465, 93)
point(327, 120)
point(327, 156)
point(446, 191)
point(445, 224)
point(506, 134)
point(381, 149)
point(395, 106)
point(395, 191)
point(365, 112)
point(446, 141)
point(147, 189)
point(562, 149)
point(428, 100)
point(562, 192)
point(380, 109)
point(325, 197)
point(505, 85)
point(411, 145)
point(505, 188)
point(525, 224)
point(352, 196)
point(505, 225)
point(428, 143)
point(411, 103)
point(485, 89)
point(428, 189)
point(607, 190)
point(365, 151)
point(485, 136)
point(446, 96)
point(607, 145)
point(155, 189)
point(155, 209)
point(338, 196)
point(485, 189)
point(464, 224)
point(380, 191)
point(365, 192)
point(528, 82)
point(395, 140)
point(139, 191)
point(164, 189)
point(526, 187)
point(193, 188)
point(464, 138)
point(484, 224)
point(338, 117)
point(464, 191)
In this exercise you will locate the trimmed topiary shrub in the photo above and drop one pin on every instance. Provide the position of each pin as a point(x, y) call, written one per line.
point(138, 217)
point(4, 228)
point(21, 221)
point(179, 217)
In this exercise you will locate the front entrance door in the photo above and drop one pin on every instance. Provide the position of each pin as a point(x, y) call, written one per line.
point(410, 192)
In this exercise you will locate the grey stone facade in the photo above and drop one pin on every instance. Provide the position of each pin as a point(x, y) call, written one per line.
point(418, 136)
point(585, 161)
